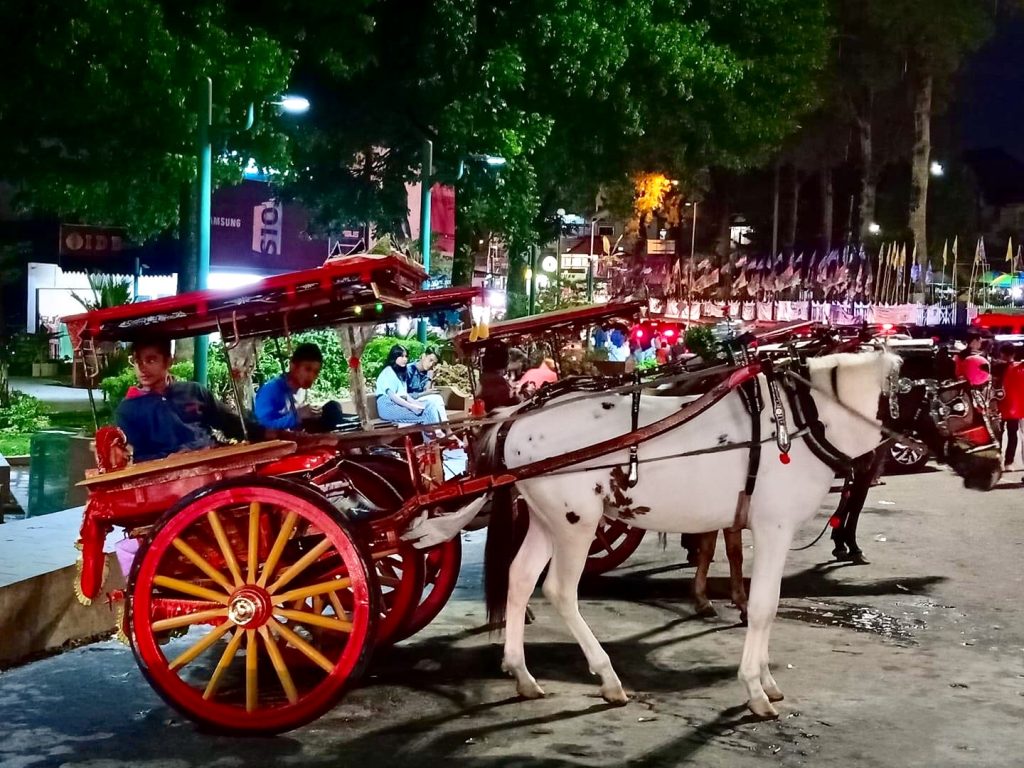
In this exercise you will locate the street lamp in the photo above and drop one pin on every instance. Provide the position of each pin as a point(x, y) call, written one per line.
point(590, 264)
point(937, 169)
point(289, 103)
point(693, 235)
point(293, 105)
point(558, 258)
point(874, 228)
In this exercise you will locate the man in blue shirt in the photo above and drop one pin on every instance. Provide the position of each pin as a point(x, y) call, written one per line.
point(275, 406)
point(162, 416)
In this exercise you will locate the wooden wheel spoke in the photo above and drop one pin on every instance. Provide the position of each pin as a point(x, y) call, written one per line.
point(225, 546)
point(315, 620)
point(225, 661)
point(252, 689)
point(298, 566)
point(603, 541)
point(188, 588)
point(302, 646)
point(278, 549)
point(209, 639)
point(202, 564)
point(279, 666)
point(199, 617)
point(389, 581)
point(323, 588)
point(254, 540)
point(339, 611)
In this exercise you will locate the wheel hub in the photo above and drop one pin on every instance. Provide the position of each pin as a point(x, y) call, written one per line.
point(250, 607)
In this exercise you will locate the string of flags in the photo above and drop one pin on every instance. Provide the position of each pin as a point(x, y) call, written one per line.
point(891, 276)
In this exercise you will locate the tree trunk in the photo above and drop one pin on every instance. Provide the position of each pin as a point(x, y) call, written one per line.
point(792, 208)
point(827, 208)
point(869, 175)
point(188, 266)
point(516, 287)
point(919, 168)
point(721, 186)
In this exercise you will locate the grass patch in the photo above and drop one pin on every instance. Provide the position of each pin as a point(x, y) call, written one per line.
point(18, 443)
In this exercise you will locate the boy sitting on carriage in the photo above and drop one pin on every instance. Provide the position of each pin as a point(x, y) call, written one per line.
point(162, 416)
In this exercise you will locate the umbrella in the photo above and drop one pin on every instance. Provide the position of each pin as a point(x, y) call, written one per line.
point(988, 278)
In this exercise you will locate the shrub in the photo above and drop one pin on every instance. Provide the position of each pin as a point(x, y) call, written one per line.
point(25, 414)
point(452, 375)
point(700, 340)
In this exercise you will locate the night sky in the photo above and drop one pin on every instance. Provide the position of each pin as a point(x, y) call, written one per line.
point(989, 107)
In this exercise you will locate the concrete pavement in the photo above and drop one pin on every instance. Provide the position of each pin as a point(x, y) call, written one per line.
point(916, 660)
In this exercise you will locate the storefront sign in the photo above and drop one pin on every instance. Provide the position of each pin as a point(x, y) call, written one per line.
point(80, 240)
point(267, 223)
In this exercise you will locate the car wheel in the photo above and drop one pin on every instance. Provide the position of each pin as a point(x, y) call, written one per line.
point(906, 458)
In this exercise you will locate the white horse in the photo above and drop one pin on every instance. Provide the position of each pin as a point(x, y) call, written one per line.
point(691, 494)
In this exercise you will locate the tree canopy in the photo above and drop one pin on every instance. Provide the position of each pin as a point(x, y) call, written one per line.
point(100, 121)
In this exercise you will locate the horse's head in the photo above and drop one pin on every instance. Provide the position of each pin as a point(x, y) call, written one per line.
point(846, 389)
point(954, 421)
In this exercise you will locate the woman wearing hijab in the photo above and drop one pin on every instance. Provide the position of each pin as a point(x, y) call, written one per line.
point(393, 400)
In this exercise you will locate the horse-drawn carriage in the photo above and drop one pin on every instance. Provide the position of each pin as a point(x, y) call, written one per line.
point(266, 573)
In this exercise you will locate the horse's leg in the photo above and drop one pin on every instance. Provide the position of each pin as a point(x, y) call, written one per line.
point(705, 554)
point(533, 555)
point(771, 543)
point(561, 588)
point(734, 549)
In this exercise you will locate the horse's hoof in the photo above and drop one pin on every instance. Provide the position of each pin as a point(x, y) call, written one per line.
point(857, 558)
point(530, 690)
point(763, 709)
point(614, 694)
point(774, 695)
point(707, 611)
point(743, 618)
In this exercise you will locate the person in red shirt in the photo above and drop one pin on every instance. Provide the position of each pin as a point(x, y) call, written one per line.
point(1011, 407)
point(535, 378)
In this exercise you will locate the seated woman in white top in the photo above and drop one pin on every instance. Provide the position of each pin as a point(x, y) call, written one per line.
point(393, 400)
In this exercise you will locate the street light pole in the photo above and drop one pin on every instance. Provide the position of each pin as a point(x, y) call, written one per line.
point(693, 235)
point(533, 279)
point(205, 167)
point(590, 264)
point(558, 258)
point(426, 170)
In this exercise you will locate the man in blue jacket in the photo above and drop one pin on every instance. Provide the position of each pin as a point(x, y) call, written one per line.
point(162, 416)
point(275, 406)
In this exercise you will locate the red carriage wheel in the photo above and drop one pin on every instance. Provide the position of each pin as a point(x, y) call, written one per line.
point(401, 574)
point(613, 544)
point(442, 563)
point(252, 606)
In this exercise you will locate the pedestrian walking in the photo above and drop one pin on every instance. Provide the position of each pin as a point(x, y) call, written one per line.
point(1011, 407)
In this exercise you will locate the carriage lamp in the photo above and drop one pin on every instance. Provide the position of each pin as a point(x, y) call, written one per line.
point(357, 309)
point(379, 306)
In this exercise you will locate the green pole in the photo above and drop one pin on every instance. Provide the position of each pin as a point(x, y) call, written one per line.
point(205, 163)
point(533, 279)
point(426, 169)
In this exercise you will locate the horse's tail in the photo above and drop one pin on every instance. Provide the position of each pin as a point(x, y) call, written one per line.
point(505, 535)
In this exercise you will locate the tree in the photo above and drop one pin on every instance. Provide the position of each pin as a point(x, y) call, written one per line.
point(930, 40)
point(103, 127)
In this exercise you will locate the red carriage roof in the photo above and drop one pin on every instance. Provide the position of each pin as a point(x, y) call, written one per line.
point(348, 290)
point(560, 319)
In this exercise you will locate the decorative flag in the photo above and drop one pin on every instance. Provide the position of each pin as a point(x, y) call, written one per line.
point(915, 268)
point(945, 254)
point(1009, 254)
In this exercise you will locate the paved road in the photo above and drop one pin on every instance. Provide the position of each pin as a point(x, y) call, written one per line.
point(915, 660)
